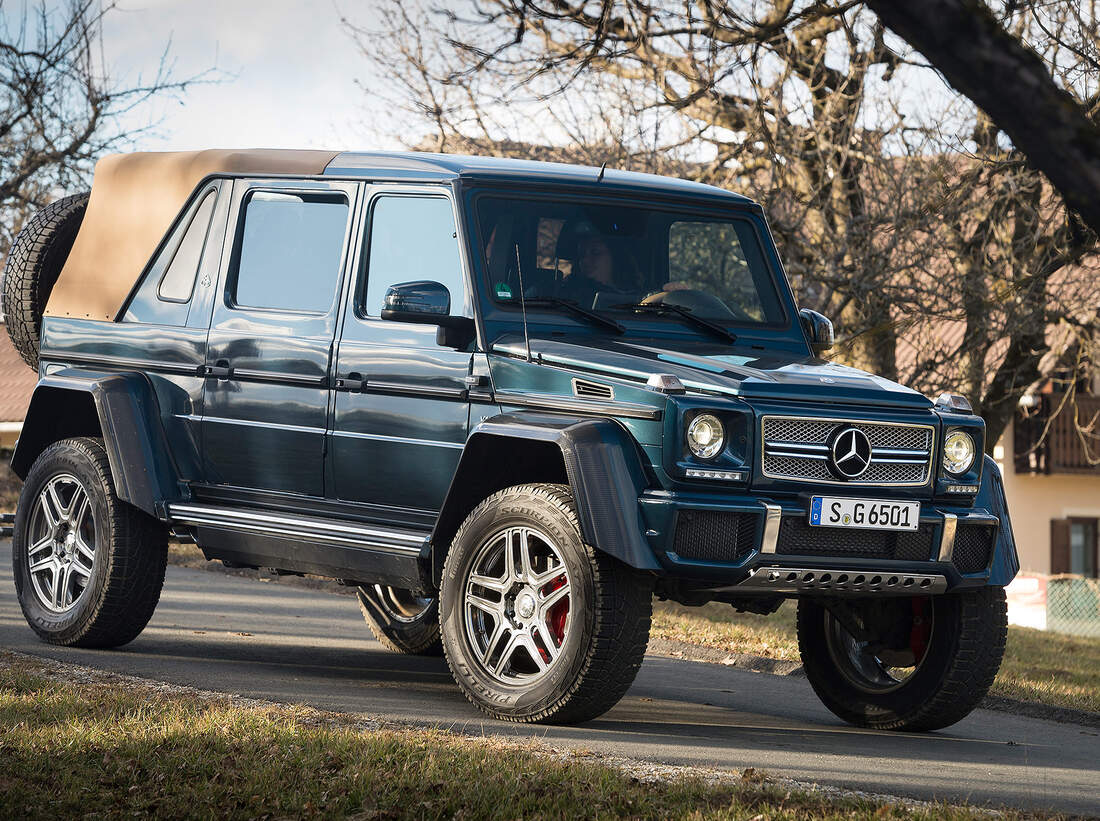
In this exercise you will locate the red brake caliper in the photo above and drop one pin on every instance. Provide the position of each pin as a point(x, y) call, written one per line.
point(556, 617)
point(921, 630)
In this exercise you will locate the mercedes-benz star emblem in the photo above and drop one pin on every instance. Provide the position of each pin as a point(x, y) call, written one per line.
point(850, 454)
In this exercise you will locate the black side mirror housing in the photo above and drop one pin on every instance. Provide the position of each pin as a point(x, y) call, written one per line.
point(818, 330)
point(428, 303)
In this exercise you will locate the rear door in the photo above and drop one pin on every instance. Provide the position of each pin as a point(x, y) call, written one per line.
point(271, 335)
point(401, 411)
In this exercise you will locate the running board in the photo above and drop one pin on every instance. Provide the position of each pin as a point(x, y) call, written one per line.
point(302, 528)
point(807, 580)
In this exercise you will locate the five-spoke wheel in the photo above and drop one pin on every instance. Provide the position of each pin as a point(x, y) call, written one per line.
point(61, 552)
point(536, 624)
point(88, 566)
point(404, 621)
point(516, 604)
point(903, 663)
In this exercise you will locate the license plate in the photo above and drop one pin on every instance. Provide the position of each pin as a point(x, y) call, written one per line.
point(869, 514)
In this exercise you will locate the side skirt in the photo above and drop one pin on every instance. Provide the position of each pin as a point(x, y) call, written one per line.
point(306, 544)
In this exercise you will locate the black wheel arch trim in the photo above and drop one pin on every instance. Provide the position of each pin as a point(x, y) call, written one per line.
point(603, 466)
point(991, 497)
point(128, 417)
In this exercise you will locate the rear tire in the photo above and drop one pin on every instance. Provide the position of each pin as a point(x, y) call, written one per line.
point(88, 566)
point(402, 622)
point(951, 666)
point(555, 634)
point(34, 263)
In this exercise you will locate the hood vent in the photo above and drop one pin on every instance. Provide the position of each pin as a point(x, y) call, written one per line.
point(592, 390)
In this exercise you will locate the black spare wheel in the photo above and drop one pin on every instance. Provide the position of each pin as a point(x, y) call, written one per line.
point(34, 263)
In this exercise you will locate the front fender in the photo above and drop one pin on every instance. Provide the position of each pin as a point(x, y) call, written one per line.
point(991, 496)
point(120, 407)
point(602, 464)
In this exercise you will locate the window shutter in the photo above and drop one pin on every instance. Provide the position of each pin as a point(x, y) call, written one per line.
point(1059, 546)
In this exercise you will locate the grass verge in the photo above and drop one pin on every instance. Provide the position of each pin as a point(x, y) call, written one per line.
point(1039, 666)
point(76, 745)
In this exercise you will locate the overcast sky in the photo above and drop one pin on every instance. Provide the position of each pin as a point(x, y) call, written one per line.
point(288, 72)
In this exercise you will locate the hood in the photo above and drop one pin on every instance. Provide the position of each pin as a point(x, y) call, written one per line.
point(734, 370)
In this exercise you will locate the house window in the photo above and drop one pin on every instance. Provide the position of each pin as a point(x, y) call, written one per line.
point(1073, 547)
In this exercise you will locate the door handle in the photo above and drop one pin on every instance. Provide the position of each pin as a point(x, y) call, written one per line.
point(353, 382)
point(219, 370)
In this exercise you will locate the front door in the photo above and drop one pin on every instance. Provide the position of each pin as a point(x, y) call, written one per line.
point(401, 413)
point(271, 335)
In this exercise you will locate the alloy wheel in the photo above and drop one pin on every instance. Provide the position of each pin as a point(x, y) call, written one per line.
point(62, 543)
point(400, 604)
point(516, 605)
point(873, 668)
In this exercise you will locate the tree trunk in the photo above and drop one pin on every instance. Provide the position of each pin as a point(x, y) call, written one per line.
point(1008, 81)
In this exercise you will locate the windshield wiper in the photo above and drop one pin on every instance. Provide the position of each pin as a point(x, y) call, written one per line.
point(685, 313)
point(572, 306)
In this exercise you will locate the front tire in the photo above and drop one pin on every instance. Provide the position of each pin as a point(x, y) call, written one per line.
point(88, 566)
point(401, 621)
point(915, 664)
point(538, 626)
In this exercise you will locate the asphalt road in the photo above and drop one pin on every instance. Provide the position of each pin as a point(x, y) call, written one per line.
point(283, 643)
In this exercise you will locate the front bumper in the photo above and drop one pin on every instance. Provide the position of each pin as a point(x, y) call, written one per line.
point(754, 544)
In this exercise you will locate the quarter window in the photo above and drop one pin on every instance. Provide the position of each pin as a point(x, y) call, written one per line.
point(290, 249)
point(412, 238)
point(179, 280)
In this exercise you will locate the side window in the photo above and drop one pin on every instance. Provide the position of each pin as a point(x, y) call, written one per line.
point(289, 251)
point(412, 238)
point(179, 280)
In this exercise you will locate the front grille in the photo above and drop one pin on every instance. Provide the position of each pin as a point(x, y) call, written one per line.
point(715, 536)
point(797, 538)
point(797, 448)
point(973, 544)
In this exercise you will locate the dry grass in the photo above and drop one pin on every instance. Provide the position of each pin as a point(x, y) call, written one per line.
point(74, 747)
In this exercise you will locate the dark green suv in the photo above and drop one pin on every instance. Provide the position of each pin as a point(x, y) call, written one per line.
point(510, 402)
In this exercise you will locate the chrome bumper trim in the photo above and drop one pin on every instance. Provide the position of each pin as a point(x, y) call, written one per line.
point(947, 539)
point(771, 528)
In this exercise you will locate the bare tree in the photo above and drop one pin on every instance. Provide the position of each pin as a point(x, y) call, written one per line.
point(60, 110)
point(944, 256)
point(1013, 85)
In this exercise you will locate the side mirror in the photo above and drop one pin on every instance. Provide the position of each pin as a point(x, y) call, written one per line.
point(428, 303)
point(818, 330)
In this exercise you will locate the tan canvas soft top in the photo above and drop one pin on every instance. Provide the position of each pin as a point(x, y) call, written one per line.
point(135, 199)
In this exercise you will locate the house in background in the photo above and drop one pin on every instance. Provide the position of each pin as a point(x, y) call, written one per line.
point(17, 382)
point(1053, 486)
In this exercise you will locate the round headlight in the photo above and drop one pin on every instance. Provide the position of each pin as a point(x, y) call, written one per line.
point(958, 452)
point(705, 436)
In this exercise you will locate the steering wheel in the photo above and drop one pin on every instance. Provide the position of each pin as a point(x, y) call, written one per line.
point(699, 302)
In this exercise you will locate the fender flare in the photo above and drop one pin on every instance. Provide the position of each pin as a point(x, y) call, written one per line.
point(128, 417)
point(603, 466)
point(991, 496)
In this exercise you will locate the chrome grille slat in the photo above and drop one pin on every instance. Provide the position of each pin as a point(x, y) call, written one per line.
point(795, 447)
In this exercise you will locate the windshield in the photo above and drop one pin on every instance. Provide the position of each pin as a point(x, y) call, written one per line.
point(625, 260)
